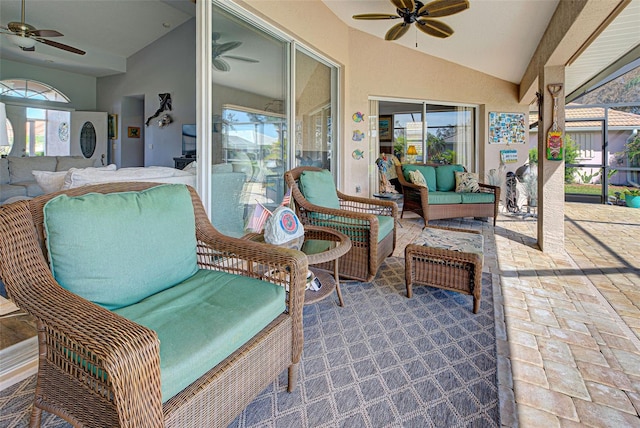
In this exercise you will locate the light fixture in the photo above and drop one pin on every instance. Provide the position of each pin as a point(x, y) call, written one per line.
point(4, 135)
point(411, 154)
point(23, 42)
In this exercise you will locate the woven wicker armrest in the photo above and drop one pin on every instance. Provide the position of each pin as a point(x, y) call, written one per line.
point(115, 358)
point(368, 205)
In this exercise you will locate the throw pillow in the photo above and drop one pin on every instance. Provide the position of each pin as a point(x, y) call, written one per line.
point(116, 249)
point(467, 182)
point(50, 181)
point(70, 174)
point(416, 177)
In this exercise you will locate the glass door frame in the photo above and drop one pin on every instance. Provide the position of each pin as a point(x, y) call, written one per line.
point(204, 93)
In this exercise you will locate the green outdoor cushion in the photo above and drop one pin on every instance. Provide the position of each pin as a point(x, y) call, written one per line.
point(203, 320)
point(446, 177)
point(116, 249)
point(439, 198)
point(351, 226)
point(428, 172)
point(478, 198)
point(319, 189)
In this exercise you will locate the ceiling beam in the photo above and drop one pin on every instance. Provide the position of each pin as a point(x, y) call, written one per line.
point(571, 29)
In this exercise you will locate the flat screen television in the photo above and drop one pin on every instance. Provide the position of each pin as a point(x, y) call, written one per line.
point(189, 141)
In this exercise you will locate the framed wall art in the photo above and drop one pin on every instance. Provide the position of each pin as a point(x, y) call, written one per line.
point(112, 126)
point(385, 128)
point(506, 128)
point(133, 132)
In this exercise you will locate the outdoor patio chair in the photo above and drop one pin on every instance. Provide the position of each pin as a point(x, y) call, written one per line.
point(369, 223)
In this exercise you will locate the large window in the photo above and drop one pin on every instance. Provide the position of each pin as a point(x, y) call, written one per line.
point(445, 136)
point(47, 132)
point(31, 90)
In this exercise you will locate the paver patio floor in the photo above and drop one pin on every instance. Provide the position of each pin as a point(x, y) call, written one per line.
point(570, 349)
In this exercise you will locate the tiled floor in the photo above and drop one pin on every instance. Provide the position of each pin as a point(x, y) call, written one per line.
point(571, 347)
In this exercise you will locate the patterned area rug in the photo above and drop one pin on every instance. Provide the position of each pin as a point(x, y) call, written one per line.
point(382, 360)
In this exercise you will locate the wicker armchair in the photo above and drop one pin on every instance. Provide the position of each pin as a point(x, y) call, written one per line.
point(356, 218)
point(98, 369)
point(416, 199)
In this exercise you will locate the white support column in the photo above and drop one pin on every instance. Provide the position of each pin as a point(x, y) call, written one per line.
point(550, 172)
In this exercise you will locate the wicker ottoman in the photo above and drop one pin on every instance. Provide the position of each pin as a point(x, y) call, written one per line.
point(446, 258)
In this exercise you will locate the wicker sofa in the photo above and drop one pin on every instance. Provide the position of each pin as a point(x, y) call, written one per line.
point(438, 199)
point(106, 359)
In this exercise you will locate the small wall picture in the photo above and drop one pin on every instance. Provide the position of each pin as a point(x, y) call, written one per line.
point(385, 128)
point(507, 128)
point(133, 132)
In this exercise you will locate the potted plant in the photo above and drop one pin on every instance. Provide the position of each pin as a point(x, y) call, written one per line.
point(632, 197)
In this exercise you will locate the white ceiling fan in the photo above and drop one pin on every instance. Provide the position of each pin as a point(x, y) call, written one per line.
point(218, 51)
point(25, 36)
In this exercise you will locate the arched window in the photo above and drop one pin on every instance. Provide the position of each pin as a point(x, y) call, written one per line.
point(31, 90)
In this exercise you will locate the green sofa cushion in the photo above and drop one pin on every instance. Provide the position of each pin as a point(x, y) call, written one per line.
point(439, 198)
point(116, 249)
point(203, 320)
point(319, 189)
point(446, 177)
point(478, 198)
point(428, 172)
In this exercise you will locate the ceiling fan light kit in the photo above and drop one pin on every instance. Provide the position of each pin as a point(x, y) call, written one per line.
point(26, 36)
point(416, 12)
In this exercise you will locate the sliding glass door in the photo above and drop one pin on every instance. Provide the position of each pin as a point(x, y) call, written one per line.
point(263, 85)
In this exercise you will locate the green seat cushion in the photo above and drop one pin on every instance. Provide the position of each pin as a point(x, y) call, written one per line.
point(116, 249)
point(439, 198)
point(203, 320)
point(446, 177)
point(351, 226)
point(478, 198)
point(319, 189)
point(428, 172)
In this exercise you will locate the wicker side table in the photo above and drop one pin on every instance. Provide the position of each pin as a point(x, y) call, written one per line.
point(321, 245)
point(446, 258)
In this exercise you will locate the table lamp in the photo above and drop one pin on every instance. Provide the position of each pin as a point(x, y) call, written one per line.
point(411, 154)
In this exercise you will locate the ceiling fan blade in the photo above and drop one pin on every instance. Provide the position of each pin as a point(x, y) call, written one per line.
point(240, 58)
point(45, 33)
point(396, 31)
point(375, 16)
point(224, 47)
point(439, 8)
point(434, 28)
point(60, 46)
point(404, 4)
point(221, 64)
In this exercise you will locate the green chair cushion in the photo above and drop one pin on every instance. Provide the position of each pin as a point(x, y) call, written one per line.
point(203, 320)
point(351, 226)
point(478, 198)
point(428, 172)
point(446, 177)
point(319, 189)
point(439, 198)
point(116, 249)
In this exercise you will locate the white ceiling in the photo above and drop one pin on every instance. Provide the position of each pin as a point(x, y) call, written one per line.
point(497, 37)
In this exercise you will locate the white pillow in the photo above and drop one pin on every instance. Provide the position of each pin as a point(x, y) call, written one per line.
point(416, 177)
point(50, 181)
point(68, 177)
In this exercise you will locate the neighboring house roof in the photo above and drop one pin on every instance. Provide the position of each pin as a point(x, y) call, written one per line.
point(617, 119)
